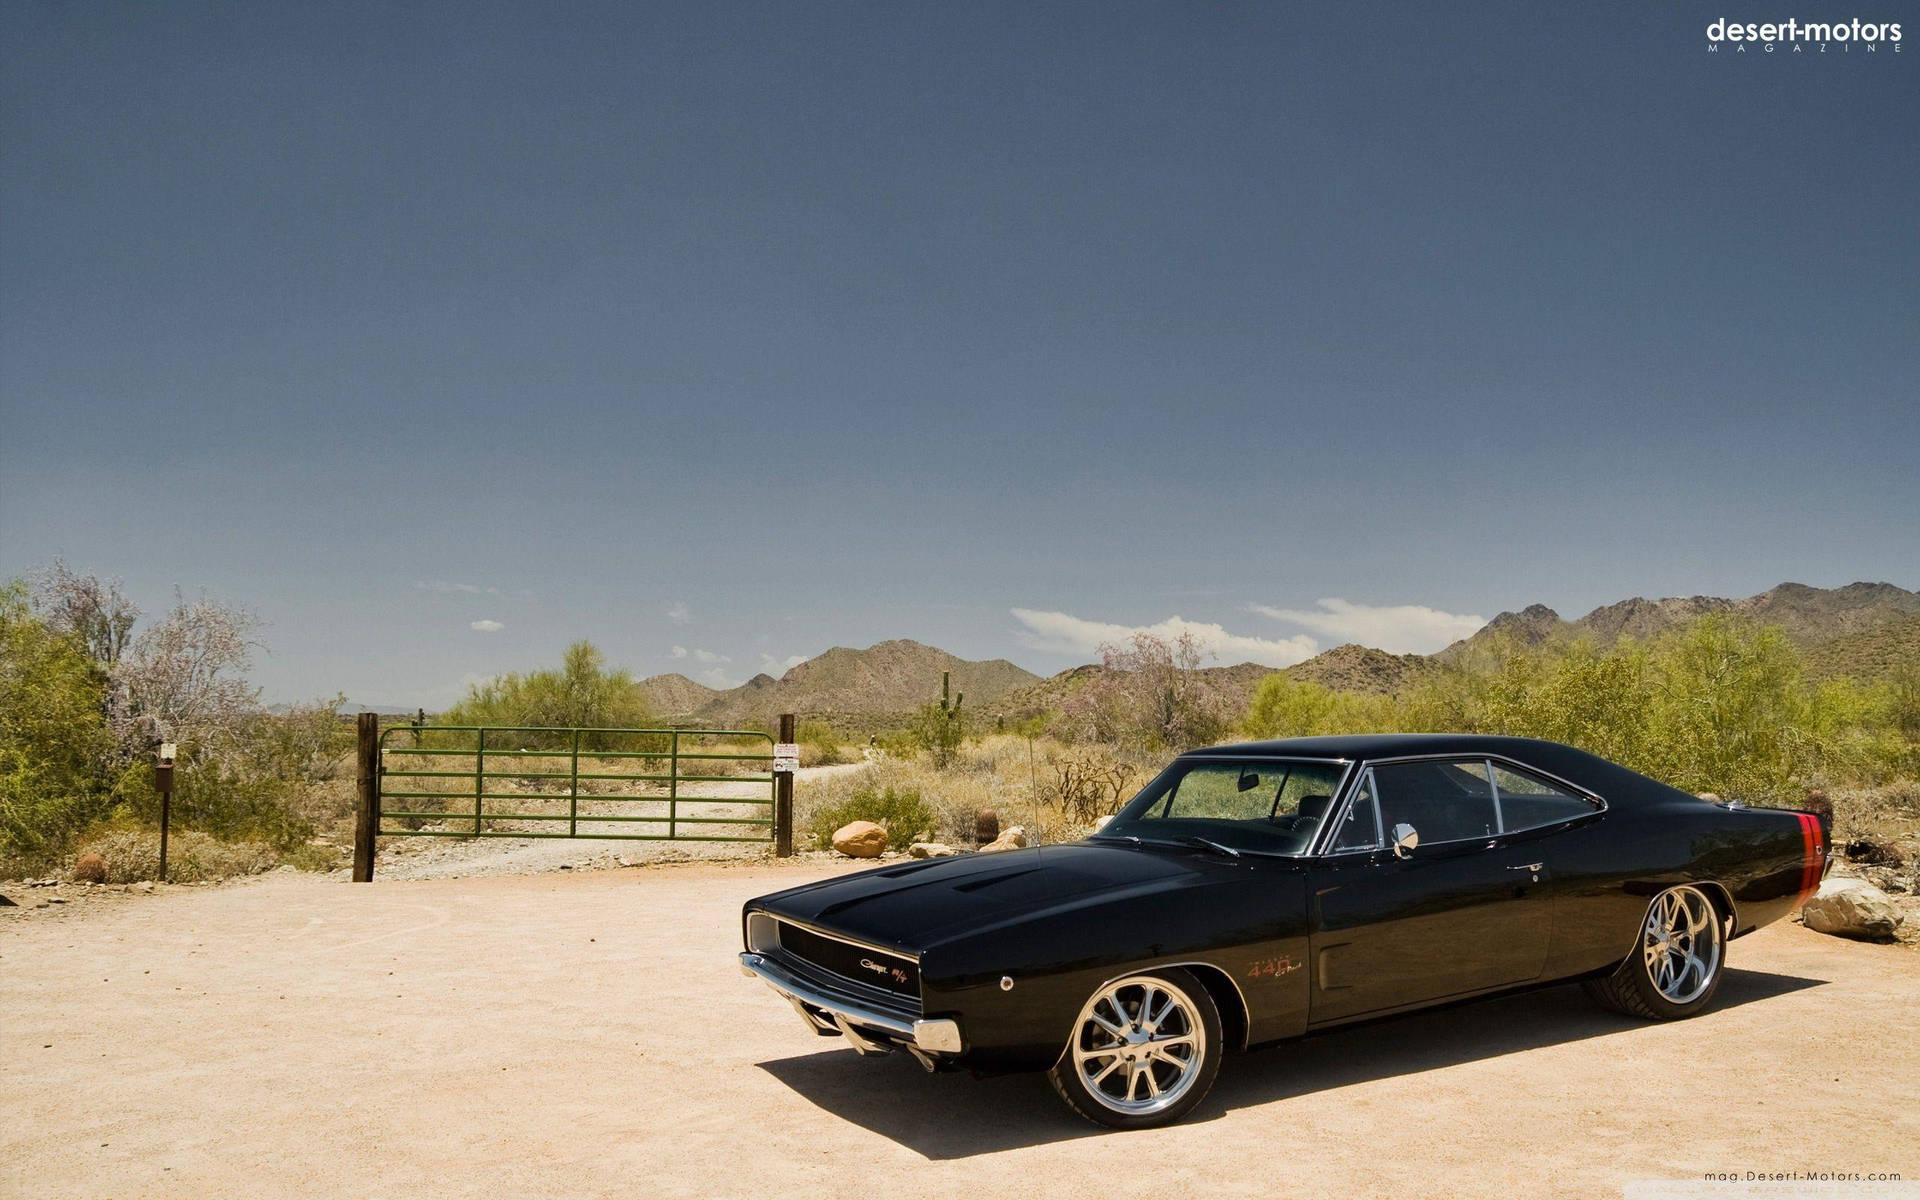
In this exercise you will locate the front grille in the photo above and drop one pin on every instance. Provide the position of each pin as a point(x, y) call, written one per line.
point(895, 974)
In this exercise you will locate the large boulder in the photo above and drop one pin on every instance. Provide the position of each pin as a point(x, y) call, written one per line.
point(1014, 837)
point(1851, 908)
point(860, 839)
point(91, 868)
point(930, 850)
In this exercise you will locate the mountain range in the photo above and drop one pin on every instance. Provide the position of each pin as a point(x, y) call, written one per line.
point(856, 687)
point(1863, 629)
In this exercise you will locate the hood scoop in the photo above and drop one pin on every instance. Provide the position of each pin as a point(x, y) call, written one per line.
point(981, 885)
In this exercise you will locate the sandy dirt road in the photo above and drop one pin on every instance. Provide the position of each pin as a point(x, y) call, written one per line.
point(588, 1034)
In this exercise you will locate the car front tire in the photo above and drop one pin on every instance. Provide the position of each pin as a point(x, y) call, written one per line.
point(1144, 1051)
point(1674, 968)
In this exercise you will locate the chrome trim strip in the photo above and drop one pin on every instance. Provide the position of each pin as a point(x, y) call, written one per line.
point(1211, 756)
point(832, 936)
point(1493, 789)
point(939, 1036)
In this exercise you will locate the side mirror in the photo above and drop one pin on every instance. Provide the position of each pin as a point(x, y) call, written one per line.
point(1406, 839)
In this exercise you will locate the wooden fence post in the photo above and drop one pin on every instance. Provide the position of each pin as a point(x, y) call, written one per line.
point(366, 825)
point(783, 797)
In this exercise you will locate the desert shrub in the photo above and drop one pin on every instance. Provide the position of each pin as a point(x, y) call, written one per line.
point(1089, 782)
point(583, 693)
point(1885, 812)
point(1001, 772)
point(1720, 706)
point(821, 745)
point(192, 857)
point(230, 799)
point(1284, 707)
point(906, 817)
point(53, 734)
point(1149, 696)
point(939, 727)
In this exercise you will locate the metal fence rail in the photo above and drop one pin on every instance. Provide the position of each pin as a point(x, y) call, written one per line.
point(648, 803)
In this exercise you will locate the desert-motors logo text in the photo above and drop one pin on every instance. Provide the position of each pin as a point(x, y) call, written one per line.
point(1801, 37)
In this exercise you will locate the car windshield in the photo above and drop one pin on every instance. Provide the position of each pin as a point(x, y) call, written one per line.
point(1251, 805)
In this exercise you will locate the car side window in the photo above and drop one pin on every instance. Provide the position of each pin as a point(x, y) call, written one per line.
point(1444, 801)
point(1361, 829)
point(1528, 802)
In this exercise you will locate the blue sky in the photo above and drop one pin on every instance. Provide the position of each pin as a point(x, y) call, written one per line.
point(443, 335)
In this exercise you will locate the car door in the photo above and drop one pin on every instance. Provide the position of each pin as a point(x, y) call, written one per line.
point(1464, 911)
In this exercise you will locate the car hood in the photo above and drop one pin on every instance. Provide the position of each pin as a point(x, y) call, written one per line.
point(914, 905)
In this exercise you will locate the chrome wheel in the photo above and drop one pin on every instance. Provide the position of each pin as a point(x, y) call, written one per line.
point(1138, 1045)
point(1681, 944)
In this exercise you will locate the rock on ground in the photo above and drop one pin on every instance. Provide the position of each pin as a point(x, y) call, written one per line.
point(930, 850)
point(860, 839)
point(1013, 837)
point(1852, 908)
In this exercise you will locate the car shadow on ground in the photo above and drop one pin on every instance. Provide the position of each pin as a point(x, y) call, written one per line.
point(951, 1116)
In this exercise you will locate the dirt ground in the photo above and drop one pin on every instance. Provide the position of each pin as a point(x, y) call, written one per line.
point(588, 1034)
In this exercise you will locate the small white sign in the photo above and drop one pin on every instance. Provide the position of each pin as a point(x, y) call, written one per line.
point(786, 758)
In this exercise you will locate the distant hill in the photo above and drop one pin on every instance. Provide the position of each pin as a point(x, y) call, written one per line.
point(675, 695)
point(849, 687)
point(1872, 653)
point(1863, 629)
point(1357, 668)
point(1810, 616)
point(1350, 668)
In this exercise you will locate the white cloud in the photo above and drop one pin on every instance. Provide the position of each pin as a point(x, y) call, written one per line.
point(486, 626)
point(780, 666)
point(1397, 628)
point(678, 613)
point(1063, 633)
point(717, 677)
point(679, 651)
point(450, 588)
point(708, 656)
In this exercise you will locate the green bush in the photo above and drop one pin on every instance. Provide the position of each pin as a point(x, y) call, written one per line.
point(1285, 707)
point(583, 693)
point(823, 745)
point(53, 736)
point(906, 817)
point(1721, 706)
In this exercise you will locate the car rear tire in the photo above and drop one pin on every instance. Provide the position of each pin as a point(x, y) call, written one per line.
point(1675, 965)
point(1144, 1051)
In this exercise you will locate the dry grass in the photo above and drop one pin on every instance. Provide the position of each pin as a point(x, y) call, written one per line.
point(1015, 778)
point(134, 855)
point(1888, 813)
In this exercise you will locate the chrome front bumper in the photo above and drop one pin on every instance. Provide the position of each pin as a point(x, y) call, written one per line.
point(867, 1030)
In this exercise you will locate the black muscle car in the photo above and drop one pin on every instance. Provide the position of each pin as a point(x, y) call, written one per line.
point(1260, 892)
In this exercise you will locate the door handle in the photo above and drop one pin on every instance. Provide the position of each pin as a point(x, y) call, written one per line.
point(1533, 867)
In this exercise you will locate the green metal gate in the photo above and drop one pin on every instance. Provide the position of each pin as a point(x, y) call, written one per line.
point(702, 785)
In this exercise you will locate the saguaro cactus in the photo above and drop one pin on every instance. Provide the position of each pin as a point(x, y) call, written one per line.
point(941, 728)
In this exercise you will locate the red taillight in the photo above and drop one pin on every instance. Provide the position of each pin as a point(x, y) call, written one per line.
point(1813, 839)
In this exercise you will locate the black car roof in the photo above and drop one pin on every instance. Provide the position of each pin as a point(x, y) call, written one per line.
point(1384, 745)
point(1608, 780)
